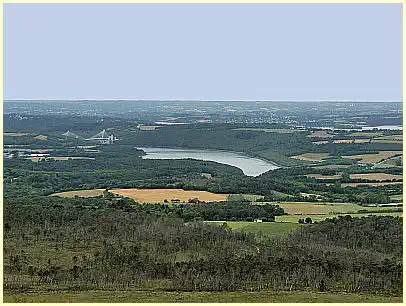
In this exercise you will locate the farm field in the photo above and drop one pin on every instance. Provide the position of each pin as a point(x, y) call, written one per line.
point(370, 184)
point(331, 167)
point(316, 157)
point(324, 177)
point(41, 137)
point(295, 218)
point(159, 195)
point(376, 176)
point(148, 127)
point(60, 158)
point(15, 134)
point(373, 158)
point(284, 131)
point(367, 134)
point(320, 134)
point(266, 229)
point(80, 193)
point(357, 140)
point(321, 142)
point(391, 162)
point(132, 296)
point(397, 197)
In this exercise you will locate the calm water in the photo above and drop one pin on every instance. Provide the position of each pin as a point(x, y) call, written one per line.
point(249, 165)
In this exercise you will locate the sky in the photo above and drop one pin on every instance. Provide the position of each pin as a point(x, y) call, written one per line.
point(276, 52)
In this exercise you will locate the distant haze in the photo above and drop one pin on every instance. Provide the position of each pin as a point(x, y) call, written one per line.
point(293, 52)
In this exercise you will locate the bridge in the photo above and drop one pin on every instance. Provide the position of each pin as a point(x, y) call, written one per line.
point(102, 137)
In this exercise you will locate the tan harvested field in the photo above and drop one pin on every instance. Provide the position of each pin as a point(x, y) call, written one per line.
point(37, 158)
point(159, 195)
point(356, 140)
point(148, 127)
point(41, 137)
point(331, 167)
point(373, 158)
point(87, 147)
point(317, 157)
point(376, 176)
point(324, 177)
point(370, 184)
point(320, 134)
point(41, 150)
point(320, 142)
point(15, 134)
point(80, 193)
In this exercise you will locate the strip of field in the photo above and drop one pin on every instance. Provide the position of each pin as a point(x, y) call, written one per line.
point(283, 131)
point(325, 177)
point(60, 158)
point(389, 163)
point(160, 195)
point(331, 167)
point(397, 197)
point(264, 228)
point(320, 142)
point(317, 157)
point(15, 134)
point(148, 127)
point(134, 296)
point(373, 158)
point(293, 208)
point(376, 176)
point(295, 218)
point(357, 140)
point(370, 184)
point(320, 134)
point(41, 137)
point(80, 193)
point(367, 134)
point(387, 141)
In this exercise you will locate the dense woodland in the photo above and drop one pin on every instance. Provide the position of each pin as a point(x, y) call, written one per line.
point(104, 243)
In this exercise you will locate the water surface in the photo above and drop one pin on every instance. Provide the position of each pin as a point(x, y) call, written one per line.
point(249, 165)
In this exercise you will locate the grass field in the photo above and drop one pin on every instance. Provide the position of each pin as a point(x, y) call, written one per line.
point(159, 195)
point(331, 167)
point(317, 157)
point(367, 134)
point(80, 193)
point(320, 134)
point(376, 176)
point(373, 158)
point(148, 127)
point(283, 131)
point(327, 208)
point(132, 296)
point(295, 218)
point(324, 177)
point(357, 140)
point(389, 163)
point(265, 229)
point(15, 134)
point(41, 137)
point(370, 184)
point(320, 142)
point(397, 197)
point(60, 158)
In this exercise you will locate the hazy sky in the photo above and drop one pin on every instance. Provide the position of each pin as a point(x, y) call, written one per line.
point(203, 51)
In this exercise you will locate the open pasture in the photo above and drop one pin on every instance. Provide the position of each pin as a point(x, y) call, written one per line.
point(324, 177)
point(293, 208)
point(376, 176)
point(331, 167)
point(373, 158)
point(370, 184)
point(356, 140)
point(320, 134)
point(80, 193)
point(41, 137)
point(321, 142)
point(265, 228)
point(160, 195)
point(295, 218)
point(15, 134)
point(283, 131)
point(316, 157)
point(59, 158)
point(367, 134)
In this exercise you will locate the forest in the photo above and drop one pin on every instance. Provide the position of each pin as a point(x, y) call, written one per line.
point(82, 244)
